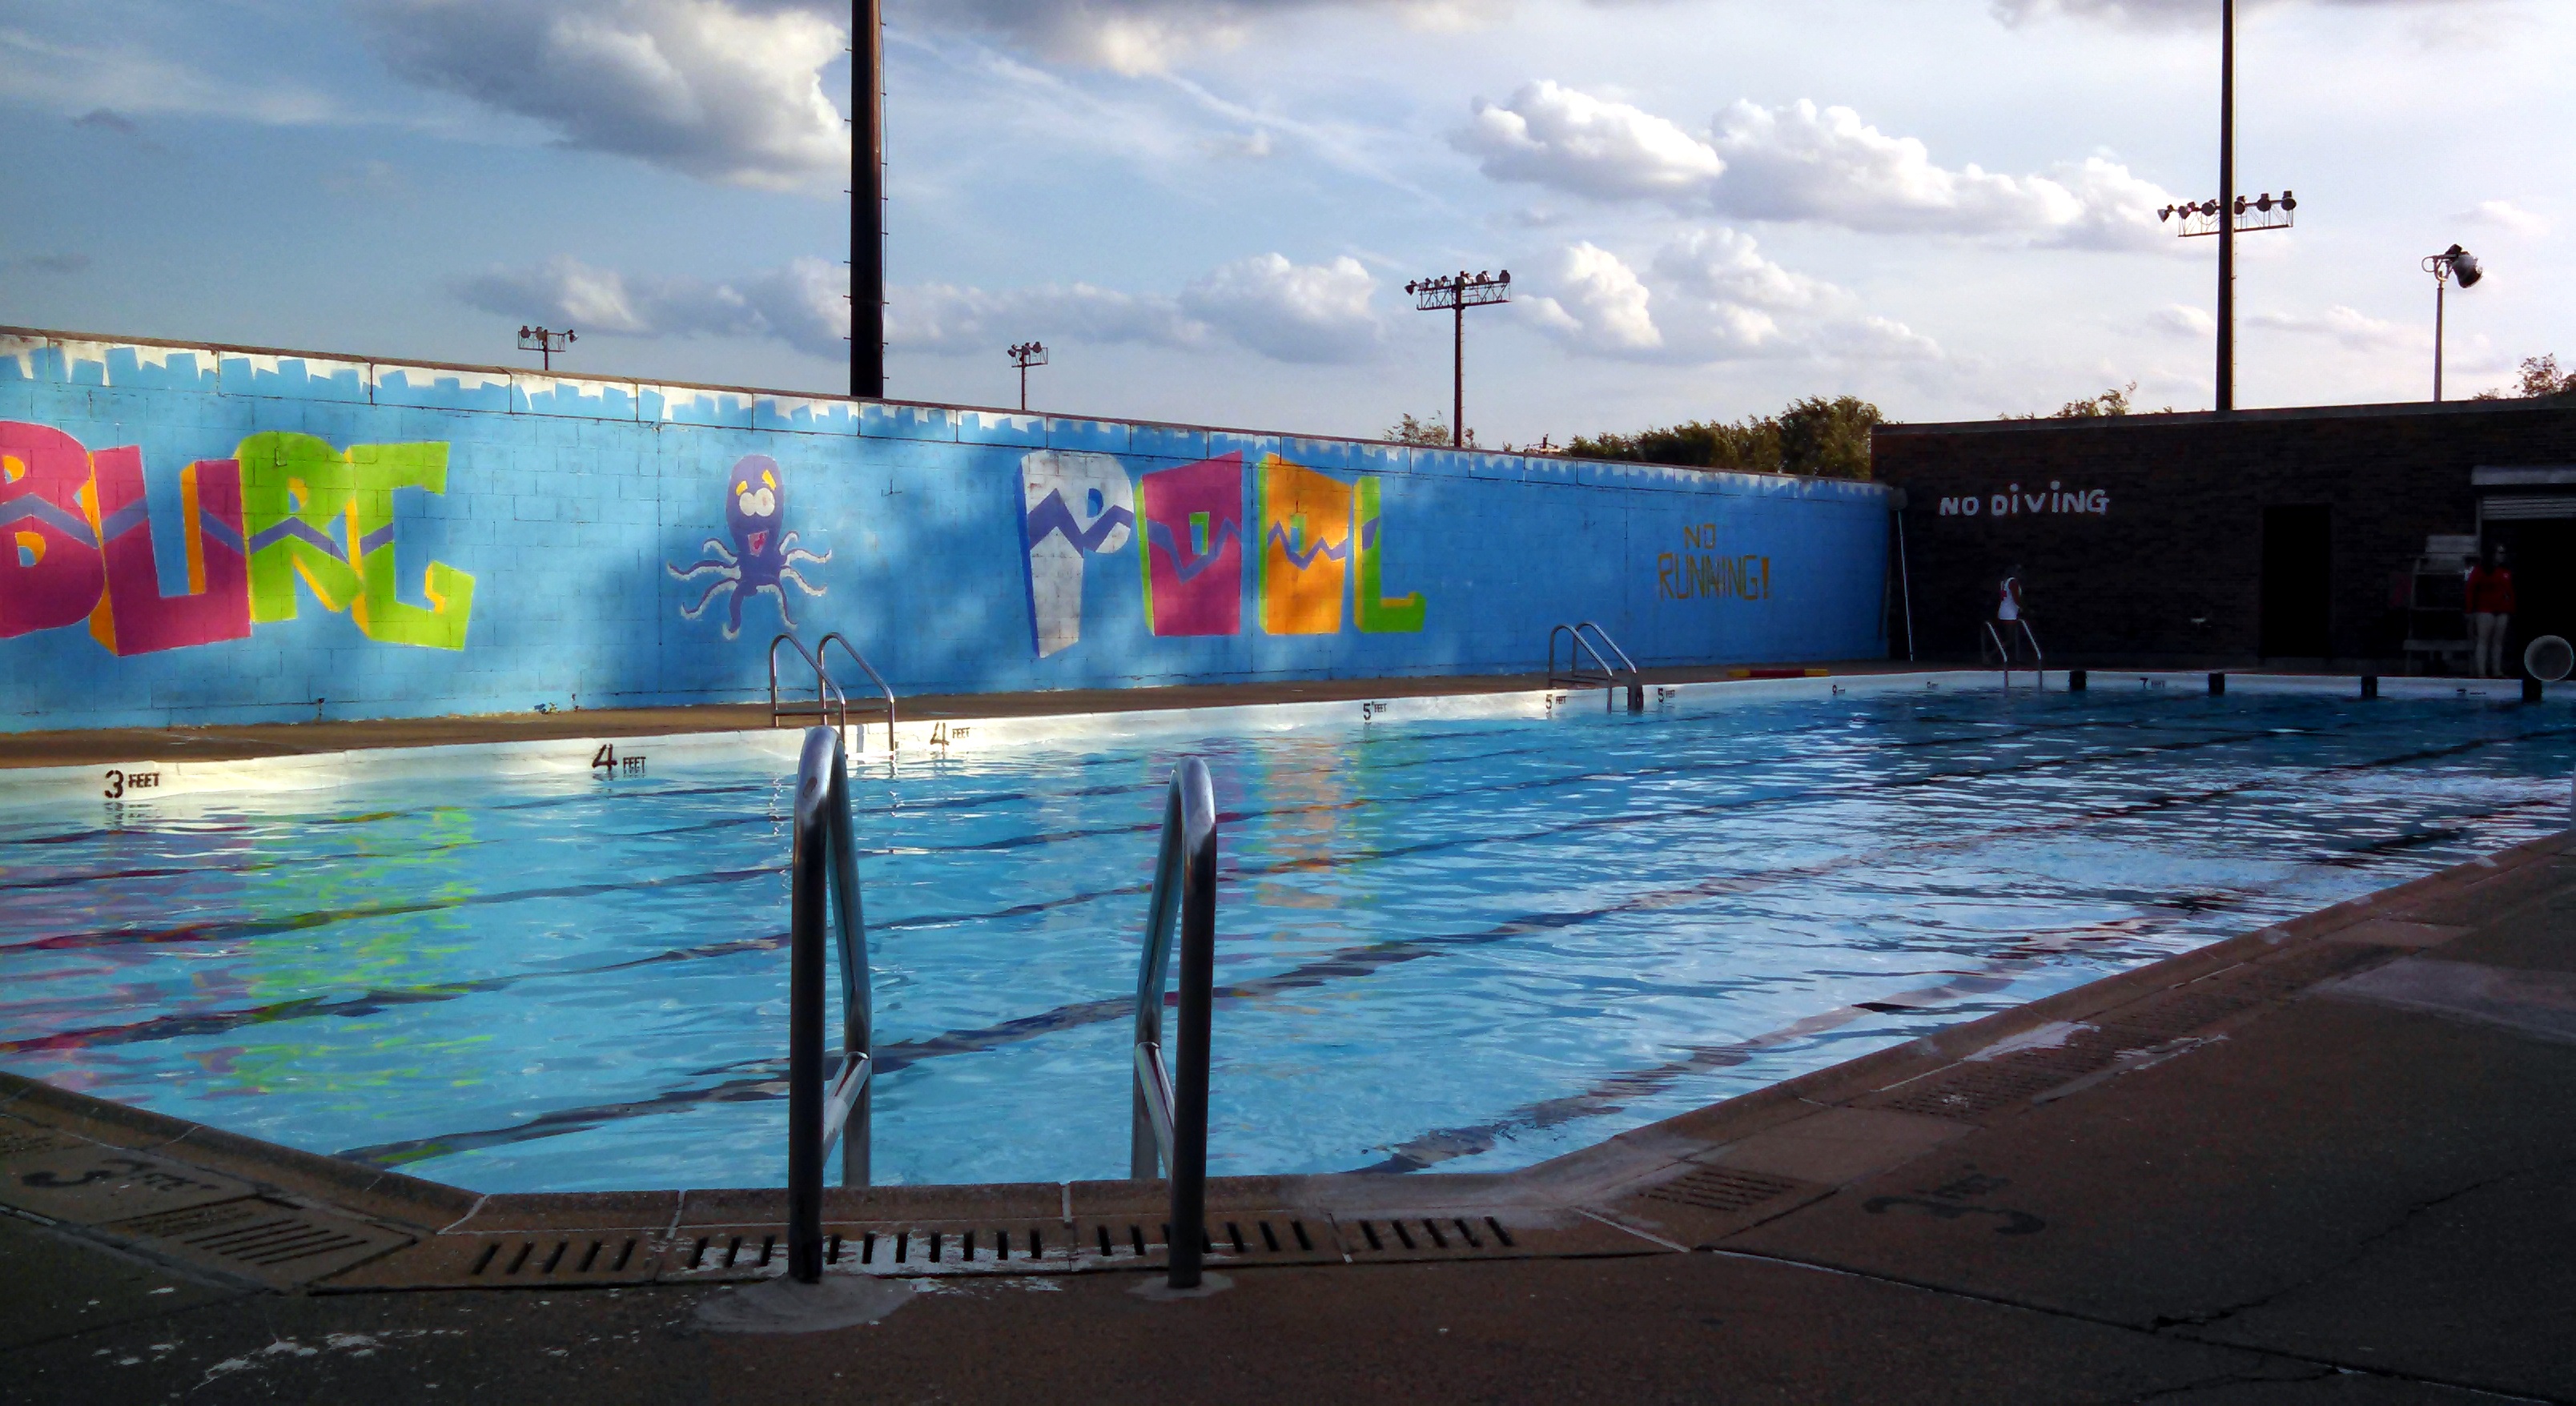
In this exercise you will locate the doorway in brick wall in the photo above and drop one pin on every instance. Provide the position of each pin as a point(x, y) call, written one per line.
point(2298, 582)
point(2542, 556)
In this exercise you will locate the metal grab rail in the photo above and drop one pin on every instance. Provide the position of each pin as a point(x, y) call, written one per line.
point(820, 709)
point(2006, 642)
point(825, 874)
point(822, 653)
point(1171, 1120)
point(1603, 674)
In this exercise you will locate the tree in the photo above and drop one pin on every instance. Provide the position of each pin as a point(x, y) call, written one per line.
point(2541, 377)
point(1816, 436)
point(1427, 432)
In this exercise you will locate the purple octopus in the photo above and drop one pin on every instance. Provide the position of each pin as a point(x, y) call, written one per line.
point(763, 559)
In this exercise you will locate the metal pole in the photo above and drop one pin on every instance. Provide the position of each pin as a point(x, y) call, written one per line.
point(1190, 1098)
point(2227, 208)
point(2441, 283)
point(1024, 387)
point(867, 200)
point(809, 865)
point(1458, 365)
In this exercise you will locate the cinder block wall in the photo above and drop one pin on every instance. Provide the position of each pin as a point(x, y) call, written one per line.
point(208, 534)
point(2179, 530)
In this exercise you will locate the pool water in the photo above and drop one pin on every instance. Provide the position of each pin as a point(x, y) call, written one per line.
point(1469, 945)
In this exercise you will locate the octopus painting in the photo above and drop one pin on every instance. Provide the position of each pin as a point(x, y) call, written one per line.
point(763, 558)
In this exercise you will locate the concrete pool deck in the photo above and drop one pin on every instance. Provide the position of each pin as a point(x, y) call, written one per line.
point(2329, 1161)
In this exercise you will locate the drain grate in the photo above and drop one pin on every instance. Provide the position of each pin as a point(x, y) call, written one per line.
point(1720, 1189)
point(523, 1260)
point(1432, 1236)
point(1231, 1237)
point(705, 1253)
point(266, 1240)
point(1454, 1234)
point(26, 1139)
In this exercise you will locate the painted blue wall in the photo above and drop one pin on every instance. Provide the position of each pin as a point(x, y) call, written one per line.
point(576, 505)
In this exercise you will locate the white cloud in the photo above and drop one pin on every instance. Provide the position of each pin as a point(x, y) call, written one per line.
point(2347, 327)
point(1708, 296)
point(1800, 162)
point(802, 304)
point(2506, 216)
point(1552, 135)
point(106, 84)
point(1315, 313)
point(1291, 312)
point(2183, 320)
point(725, 90)
point(1148, 36)
point(2196, 13)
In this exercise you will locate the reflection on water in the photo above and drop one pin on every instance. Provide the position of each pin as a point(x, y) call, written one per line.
point(1460, 944)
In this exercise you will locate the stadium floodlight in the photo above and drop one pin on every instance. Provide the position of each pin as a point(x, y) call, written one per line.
point(1454, 294)
point(1024, 356)
point(2451, 263)
point(545, 343)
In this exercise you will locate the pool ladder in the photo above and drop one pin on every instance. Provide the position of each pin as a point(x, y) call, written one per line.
point(2002, 642)
point(1587, 638)
point(830, 706)
point(1169, 1111)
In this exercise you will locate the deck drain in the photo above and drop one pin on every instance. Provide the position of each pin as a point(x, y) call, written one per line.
point(266, 1240)
point(1720, 1189)
point(1237, 1237)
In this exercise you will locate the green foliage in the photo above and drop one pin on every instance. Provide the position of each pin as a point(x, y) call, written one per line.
point(2114, 401)
point(2541, 379)
point(1815, 436)
point(1433, 431)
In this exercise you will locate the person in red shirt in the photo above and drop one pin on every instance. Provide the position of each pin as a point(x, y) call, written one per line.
point(2490, 610)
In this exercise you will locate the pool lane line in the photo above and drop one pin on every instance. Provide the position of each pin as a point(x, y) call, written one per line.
point(1838, 726)
point(1026, 840)
point(1610, 1094)
point(757, 1080)
point(230, 930)
point(237, 929)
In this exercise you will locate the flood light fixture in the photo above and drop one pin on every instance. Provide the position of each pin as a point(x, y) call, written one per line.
point(1024, 356)
point(545, 343)
point(1454, 294)
point(2451, 263)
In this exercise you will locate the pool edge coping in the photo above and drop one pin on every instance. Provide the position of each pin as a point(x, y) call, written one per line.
point(1600, 1199)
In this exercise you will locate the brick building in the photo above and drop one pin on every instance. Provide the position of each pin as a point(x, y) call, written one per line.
point(2289, 535)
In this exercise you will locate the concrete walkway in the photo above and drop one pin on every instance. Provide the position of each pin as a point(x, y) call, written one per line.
point(2348, 1177)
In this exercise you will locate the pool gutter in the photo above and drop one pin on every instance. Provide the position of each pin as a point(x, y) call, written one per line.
point(256, 1213)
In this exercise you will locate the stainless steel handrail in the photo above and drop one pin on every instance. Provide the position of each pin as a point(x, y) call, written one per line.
point(1169, 1127)
point(2006, 647)
point(822, 653)
point(824, 872)
point(1603, 674)
point(821, 710)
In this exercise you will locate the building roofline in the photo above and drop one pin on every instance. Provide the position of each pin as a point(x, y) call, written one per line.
point(2274, 415)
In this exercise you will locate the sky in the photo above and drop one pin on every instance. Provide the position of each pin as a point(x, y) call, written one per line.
point(1208, 209)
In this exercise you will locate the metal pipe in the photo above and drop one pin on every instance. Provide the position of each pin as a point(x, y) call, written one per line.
point(1198, 992)
point(867, 200)
point(2227, 208)
point(2441, 282)
point(1458, 368)
point(824, 877)
point(1169, 1123)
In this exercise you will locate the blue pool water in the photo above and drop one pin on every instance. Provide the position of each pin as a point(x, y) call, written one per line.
point(1469, 945)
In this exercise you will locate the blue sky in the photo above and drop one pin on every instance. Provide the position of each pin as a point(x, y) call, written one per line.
point(1208, 208)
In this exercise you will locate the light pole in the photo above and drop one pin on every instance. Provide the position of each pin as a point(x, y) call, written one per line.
point(1454, 294)
point(2454, 262)
point(2226, 400)
point(867, 200)
point(1024, 356)
point(546, 344)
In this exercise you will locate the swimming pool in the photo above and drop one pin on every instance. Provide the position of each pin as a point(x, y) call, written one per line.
point(1459, 942)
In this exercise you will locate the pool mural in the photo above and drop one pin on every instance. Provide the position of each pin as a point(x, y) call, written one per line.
point(201, 534)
